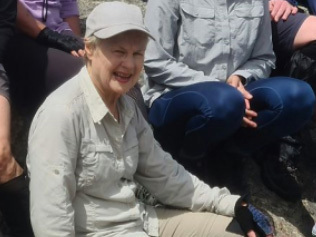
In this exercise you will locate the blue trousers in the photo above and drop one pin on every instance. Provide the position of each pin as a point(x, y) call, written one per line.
point(201, 116)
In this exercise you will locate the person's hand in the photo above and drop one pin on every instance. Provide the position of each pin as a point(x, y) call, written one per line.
point(281, 9)
point(252, 221)
point(9, 168)
point(67, 43)
point(236, 81)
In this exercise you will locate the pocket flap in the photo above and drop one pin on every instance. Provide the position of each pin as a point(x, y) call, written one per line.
point(256, 11)
point(198, 12)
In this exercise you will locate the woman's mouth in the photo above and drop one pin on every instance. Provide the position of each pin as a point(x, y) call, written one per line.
point(122, 77)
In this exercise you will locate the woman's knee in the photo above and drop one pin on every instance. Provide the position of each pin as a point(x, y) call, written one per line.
point(228, 106)
point(295, 98)
point(212, 100)
point(220, 100)
point(299, 96)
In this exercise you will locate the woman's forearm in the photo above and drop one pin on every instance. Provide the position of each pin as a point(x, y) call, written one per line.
point(74, 23)
point(26, 23)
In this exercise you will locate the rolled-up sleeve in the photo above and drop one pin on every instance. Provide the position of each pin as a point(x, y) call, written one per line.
point(69, 8)
point(51, 160)
point(171, 184)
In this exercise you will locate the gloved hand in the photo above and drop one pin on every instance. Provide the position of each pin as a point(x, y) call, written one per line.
point(59, 41)
point(250, 218)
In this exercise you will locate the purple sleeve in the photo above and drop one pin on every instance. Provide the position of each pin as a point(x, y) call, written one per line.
point(69, 8)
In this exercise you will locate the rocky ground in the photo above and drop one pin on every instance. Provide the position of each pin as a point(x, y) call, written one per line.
point(290, 219)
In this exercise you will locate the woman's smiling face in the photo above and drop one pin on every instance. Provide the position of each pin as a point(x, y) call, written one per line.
point(115, 63)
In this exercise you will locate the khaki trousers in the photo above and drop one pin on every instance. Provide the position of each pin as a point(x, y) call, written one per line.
point(182, 223)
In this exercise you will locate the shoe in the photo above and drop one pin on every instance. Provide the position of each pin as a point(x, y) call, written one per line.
point(277, 173)
point(290, 152)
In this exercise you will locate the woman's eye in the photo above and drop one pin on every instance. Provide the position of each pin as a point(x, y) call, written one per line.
point(119, 52)
point(138, 54)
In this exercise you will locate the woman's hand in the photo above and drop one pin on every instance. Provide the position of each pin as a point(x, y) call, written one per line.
point(236, 82)
point(67, 43)
point(281, 9)
point(252, 221)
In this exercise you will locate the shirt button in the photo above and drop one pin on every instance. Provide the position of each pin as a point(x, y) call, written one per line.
point(226, 41)
point(56, 172)
point(224, 66)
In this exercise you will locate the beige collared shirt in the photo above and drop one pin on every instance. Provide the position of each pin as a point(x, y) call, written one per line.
point(83, 166)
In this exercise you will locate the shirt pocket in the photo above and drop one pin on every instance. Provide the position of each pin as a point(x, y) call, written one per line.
point(198, 24)
point(246, 22)
point(97, 164)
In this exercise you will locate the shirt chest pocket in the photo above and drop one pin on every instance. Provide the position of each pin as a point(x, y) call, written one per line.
point(246, 21)
point(96, 164)
point(198, 24)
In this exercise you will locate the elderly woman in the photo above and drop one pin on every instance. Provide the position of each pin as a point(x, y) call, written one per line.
point(89, 143)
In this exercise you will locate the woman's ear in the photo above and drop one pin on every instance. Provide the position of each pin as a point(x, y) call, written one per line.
point(89, 50)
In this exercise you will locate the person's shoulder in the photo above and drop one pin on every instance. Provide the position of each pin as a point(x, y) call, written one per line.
point(65, 99)
point(66, 93)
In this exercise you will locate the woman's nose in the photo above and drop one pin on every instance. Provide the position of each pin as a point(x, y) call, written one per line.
point(129, 62)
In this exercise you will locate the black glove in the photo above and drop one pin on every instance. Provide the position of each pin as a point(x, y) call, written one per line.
point(250, 218)
point(59, 41)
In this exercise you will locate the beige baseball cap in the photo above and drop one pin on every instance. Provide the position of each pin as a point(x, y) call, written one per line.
point(112, 18)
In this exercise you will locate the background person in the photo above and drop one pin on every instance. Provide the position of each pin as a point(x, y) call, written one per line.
point(294, 42)
point(204, 85)
point(45, 52)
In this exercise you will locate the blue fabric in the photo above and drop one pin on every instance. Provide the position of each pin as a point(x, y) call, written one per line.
point(293, 2)
point(261, 220)
point(202, 115)
point(312, 6)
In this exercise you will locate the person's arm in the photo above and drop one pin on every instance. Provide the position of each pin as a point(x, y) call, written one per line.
point(262, 58)
point(26, 23)
point(74, 23)
point(51, 161)
point(170, 183)
point(70, 14)
point(162, 19)
point(9, 168)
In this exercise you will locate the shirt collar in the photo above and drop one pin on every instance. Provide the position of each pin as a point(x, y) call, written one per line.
point(94, 101)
